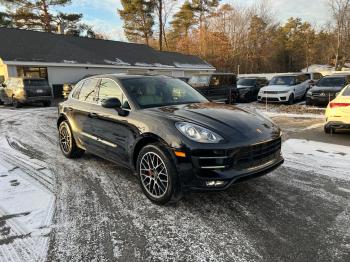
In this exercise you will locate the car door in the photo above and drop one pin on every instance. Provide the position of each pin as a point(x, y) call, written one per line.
point(81, 110)
point(300, 87)
point(113, 131)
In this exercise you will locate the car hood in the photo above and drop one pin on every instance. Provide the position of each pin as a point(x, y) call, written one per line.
point(276, 88)
point(326, 89)
point(231, 122)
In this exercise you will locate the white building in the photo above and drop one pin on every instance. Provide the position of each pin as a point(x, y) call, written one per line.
point(67, 59)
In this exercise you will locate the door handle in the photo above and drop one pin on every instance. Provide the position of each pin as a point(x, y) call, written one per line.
point(93, 115)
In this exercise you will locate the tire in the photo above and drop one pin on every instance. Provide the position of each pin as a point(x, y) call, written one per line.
point(16, 104)
point(291, 100)
point(165, 189)
point(329, 130)
point(308, 103)
point(67, 142)
point(47, 103)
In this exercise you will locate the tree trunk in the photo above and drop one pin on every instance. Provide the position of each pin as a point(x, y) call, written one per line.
point(160, 6)
point(46, 17)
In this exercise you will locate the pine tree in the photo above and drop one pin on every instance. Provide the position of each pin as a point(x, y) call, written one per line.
point(138, 19)
point(203, 8)
point(37, 15)
point(183, 20)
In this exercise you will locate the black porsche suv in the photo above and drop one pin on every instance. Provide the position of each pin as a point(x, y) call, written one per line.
point(172, 136)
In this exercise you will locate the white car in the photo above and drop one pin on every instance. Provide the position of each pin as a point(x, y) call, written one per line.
point(285, 89)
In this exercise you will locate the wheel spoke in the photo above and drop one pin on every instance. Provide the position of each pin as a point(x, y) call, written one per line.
point(154, 175)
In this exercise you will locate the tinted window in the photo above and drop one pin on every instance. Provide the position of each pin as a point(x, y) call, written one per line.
point(150, 92)
point(307, 76)
point(87, 92)
point(107, 89)
point(346, 91)
point(222, 80)
point(77, 89)
point(332, 81)
point(302, 78)
point(35, 82)
point(199, 80)
point(317, 76)
point(283, 80)
point(246, 82)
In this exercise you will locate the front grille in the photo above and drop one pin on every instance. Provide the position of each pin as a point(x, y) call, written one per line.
point(271, 92)
point(270, 99)
point(323, 94)
point(256, 155)
point(239, 158)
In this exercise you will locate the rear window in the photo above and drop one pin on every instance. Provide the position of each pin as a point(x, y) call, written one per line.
point(346, 91)
point(199, 80)
point(35, 82)
point(332, 81)
point(246, 82)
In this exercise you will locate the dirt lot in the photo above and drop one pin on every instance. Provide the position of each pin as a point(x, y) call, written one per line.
point(56, 209)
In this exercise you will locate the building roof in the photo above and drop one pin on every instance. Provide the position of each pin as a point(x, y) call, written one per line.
point(32, 46)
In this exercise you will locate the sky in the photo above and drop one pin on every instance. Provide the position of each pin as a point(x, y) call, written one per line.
point(103, 15)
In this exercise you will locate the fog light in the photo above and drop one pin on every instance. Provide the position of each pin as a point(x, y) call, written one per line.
point(215, 183)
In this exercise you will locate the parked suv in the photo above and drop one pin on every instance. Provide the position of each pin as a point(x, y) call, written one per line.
point(249, 87)
point(285, 89)
point(326, 89)
point(166, 132)
point(217, 87)
point(18, 91)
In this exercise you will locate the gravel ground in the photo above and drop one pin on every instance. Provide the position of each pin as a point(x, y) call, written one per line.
point(100, 214)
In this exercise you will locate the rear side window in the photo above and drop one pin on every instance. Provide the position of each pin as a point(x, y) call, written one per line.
point(346, 91)
point(87, 92)
point(77, 89)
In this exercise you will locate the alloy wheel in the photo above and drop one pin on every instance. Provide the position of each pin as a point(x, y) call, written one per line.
point(154, 175)
point(65, 138)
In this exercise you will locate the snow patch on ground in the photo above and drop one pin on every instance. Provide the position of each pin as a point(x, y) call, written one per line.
point(322, 158)
point(26, 206)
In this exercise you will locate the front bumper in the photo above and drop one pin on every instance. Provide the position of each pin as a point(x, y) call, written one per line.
point(274, 98)
point(204, 168)
point(318, 100)
point(35, 99)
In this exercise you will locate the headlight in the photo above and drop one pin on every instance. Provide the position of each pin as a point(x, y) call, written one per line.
point(198, 133)
point(309, 93)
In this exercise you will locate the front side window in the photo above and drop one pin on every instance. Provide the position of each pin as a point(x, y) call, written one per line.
point(87, 92)
point(150, 92)
point(108, 89)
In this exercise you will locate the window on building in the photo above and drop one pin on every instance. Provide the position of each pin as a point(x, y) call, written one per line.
point(32, 72)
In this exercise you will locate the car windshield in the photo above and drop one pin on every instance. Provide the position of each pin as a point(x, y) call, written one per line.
point(199, 80)
point(331, 81)
point(246, 82)
point(150, 92)
point(283, 80)
point(35, 82)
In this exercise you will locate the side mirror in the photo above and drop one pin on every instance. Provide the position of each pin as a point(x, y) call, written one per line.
point(3, 85)
point(112, 103)
point(115, 103)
